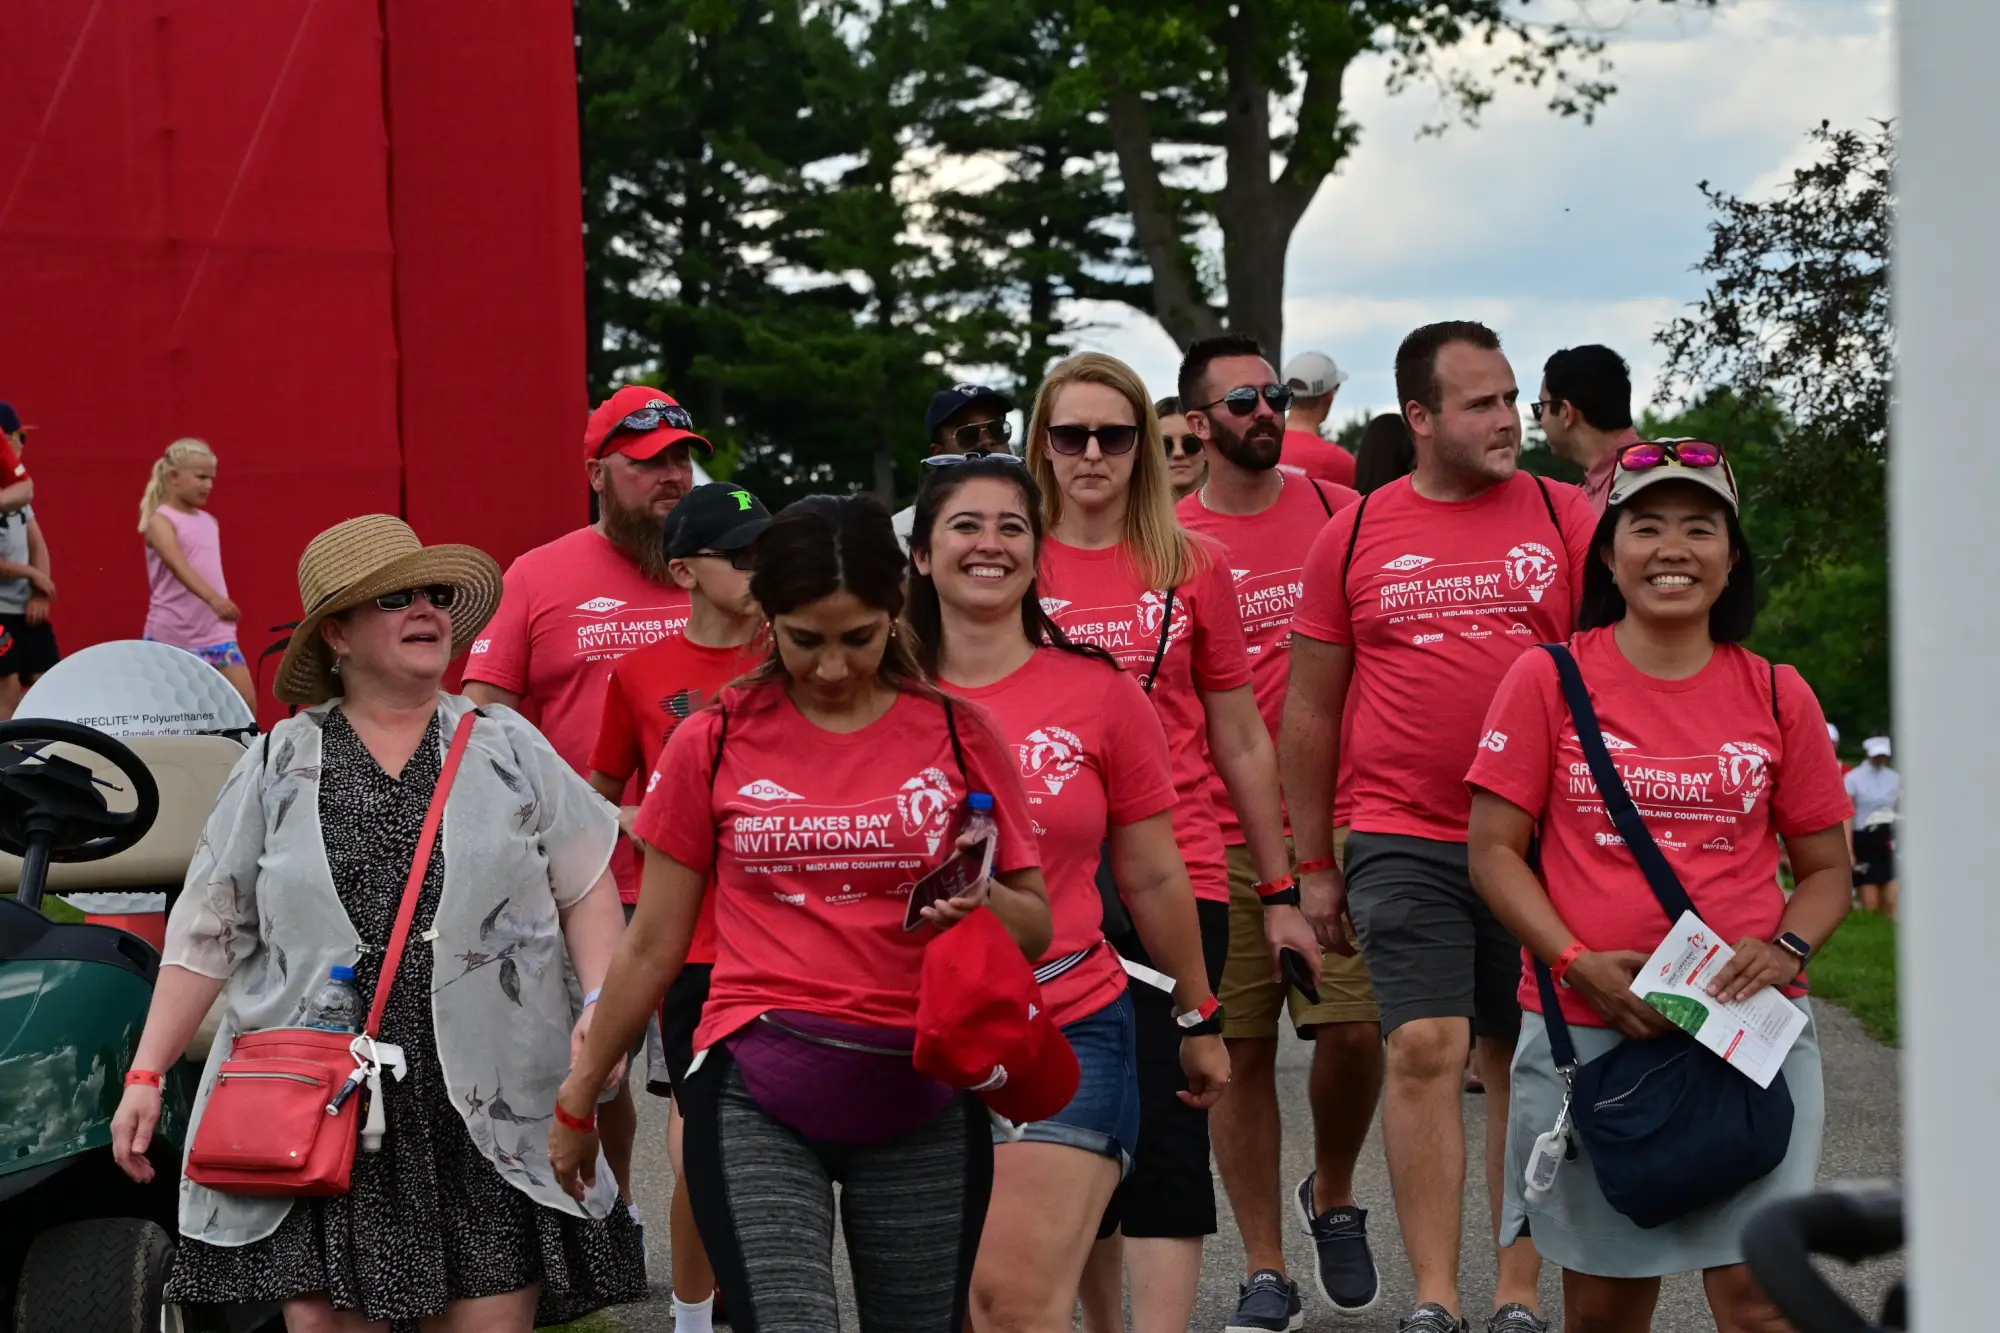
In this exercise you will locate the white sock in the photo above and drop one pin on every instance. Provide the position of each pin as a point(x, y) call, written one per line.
point(694, 1318)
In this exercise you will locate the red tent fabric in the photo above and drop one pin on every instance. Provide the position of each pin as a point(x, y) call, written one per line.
point(349, 259)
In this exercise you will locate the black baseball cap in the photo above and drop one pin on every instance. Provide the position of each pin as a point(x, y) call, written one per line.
point(714, 516)
point(948, 401)
point(10, 420)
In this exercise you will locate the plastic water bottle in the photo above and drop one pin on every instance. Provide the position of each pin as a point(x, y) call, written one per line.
point(336, 1006)
point(979, 821)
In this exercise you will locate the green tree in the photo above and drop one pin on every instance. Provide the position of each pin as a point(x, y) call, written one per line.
point(1256, 88)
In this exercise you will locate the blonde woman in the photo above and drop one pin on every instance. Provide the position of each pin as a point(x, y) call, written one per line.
point(190, 598)
point(1119, 571)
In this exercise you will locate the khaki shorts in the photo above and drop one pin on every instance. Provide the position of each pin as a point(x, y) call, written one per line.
point(1252, 998)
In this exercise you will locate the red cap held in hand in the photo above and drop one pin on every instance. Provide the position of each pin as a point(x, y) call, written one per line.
point(981, 1023)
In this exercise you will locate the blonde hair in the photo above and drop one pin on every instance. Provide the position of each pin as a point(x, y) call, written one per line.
point(1162, 552)
point(181, 453)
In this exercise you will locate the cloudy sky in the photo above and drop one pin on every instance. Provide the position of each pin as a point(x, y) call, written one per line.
point(1554, 232)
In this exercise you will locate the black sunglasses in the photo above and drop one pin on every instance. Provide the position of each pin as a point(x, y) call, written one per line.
point(953, 460)
point(646, 419)
point(1189, 444)
point(440, 595)
point(1111, 440)
point(995, 433)
point(738, 559)
point(1242, 400)
point(1535, 409)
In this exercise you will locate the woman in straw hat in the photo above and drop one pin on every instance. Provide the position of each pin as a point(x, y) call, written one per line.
point(456, 1219)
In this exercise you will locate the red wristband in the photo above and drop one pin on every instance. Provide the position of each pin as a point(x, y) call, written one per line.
point(1269, 889)
point(1317, 864)
point(1200, 1014)
point(1560, 968)
point(568, 1121)
point(134, 1077)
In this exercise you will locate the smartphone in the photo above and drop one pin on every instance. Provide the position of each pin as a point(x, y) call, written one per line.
point(1298, 973)
point(960, 873)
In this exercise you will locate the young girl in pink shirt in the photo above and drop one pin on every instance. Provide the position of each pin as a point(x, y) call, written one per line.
point(190, 598)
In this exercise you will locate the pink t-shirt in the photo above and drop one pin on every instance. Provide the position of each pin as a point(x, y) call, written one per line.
point(1316, 457)
point(176, 615)
point(1438, 602)
point(1714, 768)
point(820, 837)
point(1091, 754)
point(1097, 597)
point(572, 608)
point(1267, 556)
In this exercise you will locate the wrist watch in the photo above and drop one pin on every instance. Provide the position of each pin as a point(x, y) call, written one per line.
point(1792, 944)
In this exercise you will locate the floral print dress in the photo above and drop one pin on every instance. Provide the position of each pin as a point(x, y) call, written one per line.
point(428, 1220)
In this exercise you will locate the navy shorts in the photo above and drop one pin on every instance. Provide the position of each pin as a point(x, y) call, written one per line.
point(1103, 1117)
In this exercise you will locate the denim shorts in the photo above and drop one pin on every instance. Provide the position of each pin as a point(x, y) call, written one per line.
point(1103, 1117)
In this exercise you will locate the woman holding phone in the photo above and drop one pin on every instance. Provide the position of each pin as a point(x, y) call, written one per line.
point(815, 793)
point(1094, 760)
point(1120, 572)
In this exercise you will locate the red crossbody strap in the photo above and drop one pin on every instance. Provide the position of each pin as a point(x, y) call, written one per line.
point(406, 915)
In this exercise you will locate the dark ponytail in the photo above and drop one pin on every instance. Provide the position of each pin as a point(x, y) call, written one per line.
point(924, 617)
point(826, 544)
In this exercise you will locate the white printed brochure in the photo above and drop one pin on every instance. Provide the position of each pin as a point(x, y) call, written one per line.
point(1754, 1035)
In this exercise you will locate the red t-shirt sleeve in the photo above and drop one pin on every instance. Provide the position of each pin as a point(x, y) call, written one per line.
point(991, 770)
point(1221, 658)
point(1517, 746)
point(1138, 773)
point(1811, 790)
point(677, 815)
point(1579, 519)
point(616, 753)
point(12, 469)
point(500, 654)
point(1322, 611)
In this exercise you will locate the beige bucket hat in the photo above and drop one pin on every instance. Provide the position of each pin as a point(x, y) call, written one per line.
point(365, 558)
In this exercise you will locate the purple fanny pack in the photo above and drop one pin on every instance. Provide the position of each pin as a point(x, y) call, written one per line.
point(839, 1082)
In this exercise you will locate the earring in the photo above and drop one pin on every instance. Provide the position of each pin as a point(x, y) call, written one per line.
point(335, 668)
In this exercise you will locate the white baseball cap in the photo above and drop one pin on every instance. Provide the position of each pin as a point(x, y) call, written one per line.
point(1876, 747)
point(1314, 373)
point(1833, 733)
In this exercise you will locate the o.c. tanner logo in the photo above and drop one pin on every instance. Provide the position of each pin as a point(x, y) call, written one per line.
point(1052, 754)
point(600, 605)
point(1531, 566)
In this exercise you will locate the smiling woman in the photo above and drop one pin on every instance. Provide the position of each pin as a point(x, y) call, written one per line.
point(1724, 754)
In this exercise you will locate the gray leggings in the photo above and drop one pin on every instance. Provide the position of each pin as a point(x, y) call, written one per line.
point(911, 1209)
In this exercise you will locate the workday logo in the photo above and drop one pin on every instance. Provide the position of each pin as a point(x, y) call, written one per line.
point(763, 789)
point(1403, 564)
point(600, 605)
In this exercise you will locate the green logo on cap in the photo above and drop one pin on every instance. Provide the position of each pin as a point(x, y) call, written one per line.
point(744, 500)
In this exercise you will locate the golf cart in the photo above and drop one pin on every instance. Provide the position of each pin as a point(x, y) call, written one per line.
point(94, 802)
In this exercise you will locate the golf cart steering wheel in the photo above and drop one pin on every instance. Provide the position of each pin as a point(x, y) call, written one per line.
point(53, 809)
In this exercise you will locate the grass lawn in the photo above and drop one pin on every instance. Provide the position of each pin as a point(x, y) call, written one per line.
point(601, 1322)
point(1857, 970)
point(55, 908)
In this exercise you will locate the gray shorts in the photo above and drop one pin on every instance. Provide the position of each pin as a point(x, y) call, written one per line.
point(1432, 946)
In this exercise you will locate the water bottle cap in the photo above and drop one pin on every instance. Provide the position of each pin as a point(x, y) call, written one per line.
point(979, 800)
point(340, 973)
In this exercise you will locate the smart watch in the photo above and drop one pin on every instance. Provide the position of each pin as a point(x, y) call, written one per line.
point(1792, 944)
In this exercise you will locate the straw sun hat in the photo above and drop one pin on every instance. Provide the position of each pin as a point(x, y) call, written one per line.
point(362, 559)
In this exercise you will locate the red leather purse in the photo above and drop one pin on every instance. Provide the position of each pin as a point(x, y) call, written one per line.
point(277, 1122)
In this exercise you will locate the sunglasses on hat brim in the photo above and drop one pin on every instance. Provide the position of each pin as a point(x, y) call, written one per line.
point(1648, 454)
point(953, 460)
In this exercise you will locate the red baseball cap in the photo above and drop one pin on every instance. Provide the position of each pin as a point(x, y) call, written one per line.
point(608, 431)
point(981, 1023)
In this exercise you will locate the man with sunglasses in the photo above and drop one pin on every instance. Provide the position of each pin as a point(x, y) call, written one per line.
point(1267, 518)
point(964, 419)
point(577, 604)
point(1314, 379)
point(1585, 409)
point(1416, 603)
